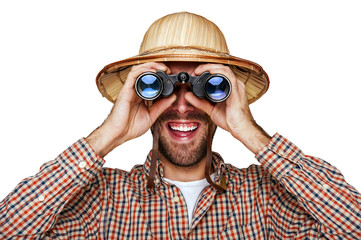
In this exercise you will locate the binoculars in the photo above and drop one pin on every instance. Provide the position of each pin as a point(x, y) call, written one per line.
point(214, 87)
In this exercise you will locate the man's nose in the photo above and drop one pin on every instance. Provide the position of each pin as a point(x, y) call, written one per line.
point(181, 105)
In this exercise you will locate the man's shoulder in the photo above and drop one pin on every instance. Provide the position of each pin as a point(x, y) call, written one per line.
point(253, 174)
point(119, 177)
point(253, 169)
point(136, 170)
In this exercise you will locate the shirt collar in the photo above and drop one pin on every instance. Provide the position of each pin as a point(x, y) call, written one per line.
point(217, 162)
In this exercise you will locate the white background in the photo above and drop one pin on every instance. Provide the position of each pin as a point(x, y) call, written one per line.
point(51, 52)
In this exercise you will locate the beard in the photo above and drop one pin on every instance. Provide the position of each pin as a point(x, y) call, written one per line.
point(184, 154)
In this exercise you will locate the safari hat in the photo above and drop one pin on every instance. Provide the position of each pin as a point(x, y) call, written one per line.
point(184, 37)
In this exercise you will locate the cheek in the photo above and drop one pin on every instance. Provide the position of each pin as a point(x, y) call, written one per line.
point(163, 128)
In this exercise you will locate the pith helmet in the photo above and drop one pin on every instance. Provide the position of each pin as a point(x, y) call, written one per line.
point(184, 37)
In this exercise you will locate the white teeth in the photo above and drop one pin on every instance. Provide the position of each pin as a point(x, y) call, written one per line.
point(184, 129)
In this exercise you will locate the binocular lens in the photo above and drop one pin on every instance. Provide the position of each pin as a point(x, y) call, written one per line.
point(149, 86)
point(217, 88)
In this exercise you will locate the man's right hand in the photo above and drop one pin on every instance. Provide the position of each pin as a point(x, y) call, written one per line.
point(130, 117)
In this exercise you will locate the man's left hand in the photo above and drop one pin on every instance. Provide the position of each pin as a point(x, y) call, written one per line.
point(232, 115)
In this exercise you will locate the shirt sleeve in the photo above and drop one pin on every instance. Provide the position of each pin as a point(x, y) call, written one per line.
point(319, 188)
point(32, 208)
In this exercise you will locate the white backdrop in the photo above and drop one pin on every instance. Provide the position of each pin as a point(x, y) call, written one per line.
point(51, 51)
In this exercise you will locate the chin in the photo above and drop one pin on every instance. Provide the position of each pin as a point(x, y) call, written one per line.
point(183, 154)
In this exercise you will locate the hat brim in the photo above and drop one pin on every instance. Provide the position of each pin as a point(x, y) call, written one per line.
point(111, 78)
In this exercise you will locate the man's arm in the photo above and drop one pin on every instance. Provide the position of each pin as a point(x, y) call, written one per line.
point(320, 188)
point(130, 117)
point(34, 206)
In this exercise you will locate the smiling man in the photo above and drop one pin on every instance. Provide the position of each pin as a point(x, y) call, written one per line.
point(183, 190)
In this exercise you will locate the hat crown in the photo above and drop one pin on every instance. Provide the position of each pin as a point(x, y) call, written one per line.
point(183, 30)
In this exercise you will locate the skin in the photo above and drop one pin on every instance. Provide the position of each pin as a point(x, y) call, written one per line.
point(131, 118)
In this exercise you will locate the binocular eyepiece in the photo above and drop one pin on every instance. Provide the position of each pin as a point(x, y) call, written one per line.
point(214, 87)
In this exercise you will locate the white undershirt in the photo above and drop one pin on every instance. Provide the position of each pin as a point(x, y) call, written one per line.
point(191, 192)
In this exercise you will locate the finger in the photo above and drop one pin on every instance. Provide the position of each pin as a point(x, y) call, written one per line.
point(141, 68)
point(160, 106)
point(152, 65)
point(212, 68)
point(201, 104)
point(217, 68)
point(242, 92)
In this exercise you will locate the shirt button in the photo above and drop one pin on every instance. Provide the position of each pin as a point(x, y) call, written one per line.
point(82, 164)
point(176, 199)
point(41, 198)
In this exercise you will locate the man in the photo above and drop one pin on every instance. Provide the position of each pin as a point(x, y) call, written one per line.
point(183, 191)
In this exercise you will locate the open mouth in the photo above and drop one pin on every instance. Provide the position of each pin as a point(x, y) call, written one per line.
point(182, 130)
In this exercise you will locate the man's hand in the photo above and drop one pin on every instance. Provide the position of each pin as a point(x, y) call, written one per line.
point(233, 115)
point(130, 117)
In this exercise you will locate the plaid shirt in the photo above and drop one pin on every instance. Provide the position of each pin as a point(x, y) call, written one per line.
point(290, 196)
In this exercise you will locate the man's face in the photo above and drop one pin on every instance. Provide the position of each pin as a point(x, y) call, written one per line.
point(183, 128)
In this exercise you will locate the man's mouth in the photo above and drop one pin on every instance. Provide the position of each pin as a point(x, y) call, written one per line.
point(182, 130)
point(183, 127)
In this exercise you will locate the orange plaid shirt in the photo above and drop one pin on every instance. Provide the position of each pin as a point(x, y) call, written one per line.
point(289, 196)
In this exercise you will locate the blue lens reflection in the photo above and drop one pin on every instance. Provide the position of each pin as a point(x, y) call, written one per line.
point(217, 88)
point(149, 86)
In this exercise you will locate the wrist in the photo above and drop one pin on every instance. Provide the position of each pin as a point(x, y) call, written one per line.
point(101, 141)
point(254, 138)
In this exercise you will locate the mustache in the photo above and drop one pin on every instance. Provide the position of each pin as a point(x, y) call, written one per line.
point(173, 115)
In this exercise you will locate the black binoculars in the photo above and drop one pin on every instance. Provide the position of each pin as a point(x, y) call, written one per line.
point(214, 87)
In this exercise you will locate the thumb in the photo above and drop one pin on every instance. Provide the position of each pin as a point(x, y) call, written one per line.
point(160, 106)
point(202, 104)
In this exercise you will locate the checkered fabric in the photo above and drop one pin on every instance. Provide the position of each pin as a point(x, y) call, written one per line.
point(289, 196)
